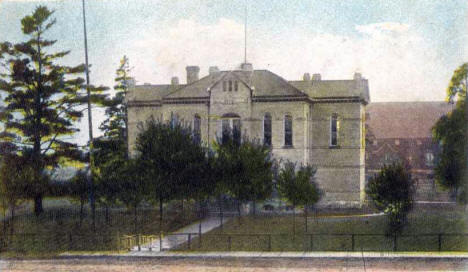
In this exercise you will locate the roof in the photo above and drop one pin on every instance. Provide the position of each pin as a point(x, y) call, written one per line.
point(150, 92)
point(264, 83)
point(334, 88)
point(404, 119)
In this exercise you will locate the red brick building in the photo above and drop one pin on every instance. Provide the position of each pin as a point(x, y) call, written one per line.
point(403, 131)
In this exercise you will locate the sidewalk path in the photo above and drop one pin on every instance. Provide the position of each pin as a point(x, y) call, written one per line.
point(173, 240)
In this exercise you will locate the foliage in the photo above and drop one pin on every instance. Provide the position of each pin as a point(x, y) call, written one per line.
point(42, 98)
point(298, 186)
point(115, 126)
point(391, 191)
point(245, 169)
point(450, 132)
point(174, 164)
point(15, 172)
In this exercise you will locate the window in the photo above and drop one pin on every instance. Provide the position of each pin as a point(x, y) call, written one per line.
point(226, 130)
point(429, 159)
point(397, 142)
point(236, 85)
point(230, 85)
point(267, 129)
point(334, 128)
point(197, 128)
point(231, 129)
point(174, 119)
point(288, 133)
point(236, 131)
point(224, 86)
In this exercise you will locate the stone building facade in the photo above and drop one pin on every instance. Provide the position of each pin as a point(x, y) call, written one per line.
point(314, 121)
point(402, 131)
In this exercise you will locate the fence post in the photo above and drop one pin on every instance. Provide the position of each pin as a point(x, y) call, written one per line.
point(395, 242)
point(229, 243)
point(269, 242)
point(189, 240)
point(311, 242)
point(440, 242)
point(138, 242)
point(160, 241)
point(352, 242)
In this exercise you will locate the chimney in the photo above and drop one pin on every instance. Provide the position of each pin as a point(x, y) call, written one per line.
point(174, 81)
point(247, 67)
point(192, 73)
point(213, 70)
point(316, 77)
point(357, 76)
point(306, 77)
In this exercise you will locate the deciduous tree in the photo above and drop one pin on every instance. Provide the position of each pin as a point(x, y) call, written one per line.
point(391, 191)
point(298, 186)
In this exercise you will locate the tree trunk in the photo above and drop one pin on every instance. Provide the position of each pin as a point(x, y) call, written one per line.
point(81, 211)
point(160, 214)
point(221, 212)
point(239, 212)
point(305, 217)
point(294, 220)
point(182, 210)
point(254, 208)
point(107, 214)
point(12, 220)
point(135, 218)
point(38, 209)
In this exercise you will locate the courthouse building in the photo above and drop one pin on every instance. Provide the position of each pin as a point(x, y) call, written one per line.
point(314, 121)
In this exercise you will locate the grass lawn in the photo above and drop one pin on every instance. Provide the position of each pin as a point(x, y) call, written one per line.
point(58, 229)
point(334, 234)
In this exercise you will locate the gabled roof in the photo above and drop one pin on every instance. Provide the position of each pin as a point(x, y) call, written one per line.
point(263, 82)
point(404, 119)
point(150, 92)
point(334, 88)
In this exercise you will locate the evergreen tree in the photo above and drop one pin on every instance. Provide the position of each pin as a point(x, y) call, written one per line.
point(115, 126)
point(42, 99)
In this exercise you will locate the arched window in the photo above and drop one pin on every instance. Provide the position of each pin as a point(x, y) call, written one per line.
point(267, 129)
point(334, 128)
point(197, 128)
point(231, 128)
point(174, 119)
point(288, 130)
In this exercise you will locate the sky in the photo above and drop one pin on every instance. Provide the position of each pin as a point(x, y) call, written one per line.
point(407, 49)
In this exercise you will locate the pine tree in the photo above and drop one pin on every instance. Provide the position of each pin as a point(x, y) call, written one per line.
point(42, 98)
point(115, 126)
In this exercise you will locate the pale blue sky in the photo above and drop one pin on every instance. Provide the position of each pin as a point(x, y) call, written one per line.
point(407, 49)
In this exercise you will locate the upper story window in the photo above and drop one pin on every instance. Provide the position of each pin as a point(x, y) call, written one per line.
point(236, 85)
point(267, 129)
point(334, 129)
point(197, 128)
point(224, 86)
point(429, 159)
point(288, 130)
point(230, 85)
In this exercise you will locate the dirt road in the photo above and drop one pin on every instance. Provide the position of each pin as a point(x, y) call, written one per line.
point(232, 264)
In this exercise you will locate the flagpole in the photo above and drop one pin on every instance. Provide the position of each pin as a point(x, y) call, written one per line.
point(90, 124)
